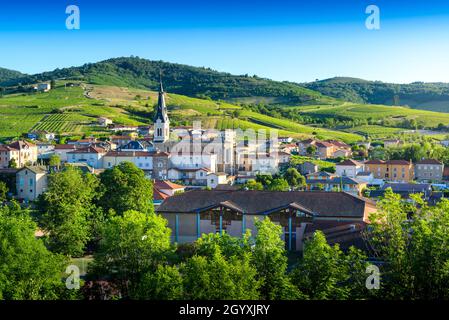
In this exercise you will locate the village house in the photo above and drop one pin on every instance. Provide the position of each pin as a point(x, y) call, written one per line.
point(92, 156)
point(41, 135)
point(104, 122)
point(194, 213)
point(307, 167)
point(391, 170)
point(23, 153)
point(31, 182)
point(289, 148)
point(45, 150)
point(214, 179)
point(121, 140)
point(61, 151)
point(349, 168)
point(404, 190)
point(285, 139)
point(189, 176)
point(43, 87)
point(430, 170)
point(326, 181)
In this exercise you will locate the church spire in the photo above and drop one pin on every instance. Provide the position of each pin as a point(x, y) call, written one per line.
point(161, 112)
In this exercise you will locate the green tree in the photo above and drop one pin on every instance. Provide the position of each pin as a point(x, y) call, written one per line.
point(165, 283)
point(311, 150)
point(235, 280)
point(29, 271)
point(279, 184)
point(67, 211)
point(55, 161)
point(252, 185)
point(325, 272)
point(411, 239)
point(126, 188)
point(3, 191)
point(131, 246)
point(294, 178)
point(12, 163)
point(270, 260)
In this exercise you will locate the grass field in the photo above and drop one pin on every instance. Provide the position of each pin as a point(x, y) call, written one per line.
point(75, 110)
point(377, 112)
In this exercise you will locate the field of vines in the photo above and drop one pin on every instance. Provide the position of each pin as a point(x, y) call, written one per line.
point(59, 123)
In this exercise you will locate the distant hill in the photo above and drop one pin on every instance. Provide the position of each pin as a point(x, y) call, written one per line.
point(181, 79)
point(418, 95)
point(6, 74)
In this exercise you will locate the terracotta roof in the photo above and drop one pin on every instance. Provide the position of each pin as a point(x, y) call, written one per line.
point(165, 184)
point(323, 144)
point(398, 162)
point(429, 161)
point(349, 162)
point(375, 162)
point(65, 146)
point(89, 150)
point(21, 144)
point(323, 204)
point(157, 195)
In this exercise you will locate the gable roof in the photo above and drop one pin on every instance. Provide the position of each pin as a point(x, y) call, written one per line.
point(429, 161)
point(324, 204)
point(89, 149)
point(166, 184)
point(349, 162)
point(35, 169)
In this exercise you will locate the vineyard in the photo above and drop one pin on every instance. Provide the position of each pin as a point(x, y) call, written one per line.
point(60, 123)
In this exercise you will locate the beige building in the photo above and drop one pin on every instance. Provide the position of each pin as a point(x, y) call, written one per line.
point(23, 152)
point(31, 182)
point(391, 170)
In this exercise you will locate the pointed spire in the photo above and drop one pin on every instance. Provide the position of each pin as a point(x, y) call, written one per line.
point(161, 112)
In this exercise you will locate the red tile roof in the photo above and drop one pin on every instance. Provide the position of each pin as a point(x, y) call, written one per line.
point(165, 184)
point(157, 195)
point(89, 150)
point(429, 161)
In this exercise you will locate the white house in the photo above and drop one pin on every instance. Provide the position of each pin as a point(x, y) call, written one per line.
point(216, 178)
point(31, 182)
point(92, 156)
point(188, 160)
point(349, 168)
point(44, 87)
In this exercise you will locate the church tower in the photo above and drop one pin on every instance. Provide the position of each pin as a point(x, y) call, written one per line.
point(161, 121)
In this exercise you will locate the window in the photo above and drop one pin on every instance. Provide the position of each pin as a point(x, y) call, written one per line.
point(31, 182)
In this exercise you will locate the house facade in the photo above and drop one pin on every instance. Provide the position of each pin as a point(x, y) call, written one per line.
point(349, 168)
point(31, 182)
point(23, 153)
point(92, 156)
point(429, 170)
point(391, 170)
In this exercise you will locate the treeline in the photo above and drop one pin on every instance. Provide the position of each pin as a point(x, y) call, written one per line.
point(177, 78)
point(133, 257)
point(376, 92)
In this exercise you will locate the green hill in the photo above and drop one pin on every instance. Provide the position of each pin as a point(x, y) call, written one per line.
point(181, 79)
point(417, 95)
point(75, 110)
point(7, 75)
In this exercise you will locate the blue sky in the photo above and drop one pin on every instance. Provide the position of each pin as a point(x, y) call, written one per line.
point(283, 40)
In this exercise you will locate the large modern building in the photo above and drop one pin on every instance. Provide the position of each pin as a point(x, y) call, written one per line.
point(196, 212)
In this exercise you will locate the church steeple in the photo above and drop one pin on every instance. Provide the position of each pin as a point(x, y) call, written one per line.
point(161, 121)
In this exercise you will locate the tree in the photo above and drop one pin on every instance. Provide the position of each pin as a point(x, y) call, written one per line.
point(126, 188)
point(131, 247)
point(270, 261)
point(28, 270)
point(411, 240)
point(311, 150)
point(67, 211)
point(3, 191)
point(324, 272)
point(55, 161)
point(252, 185)
point(279, 184)
point(219, 278)
point(12, 163)
point(165, 283)
point(294, 178)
